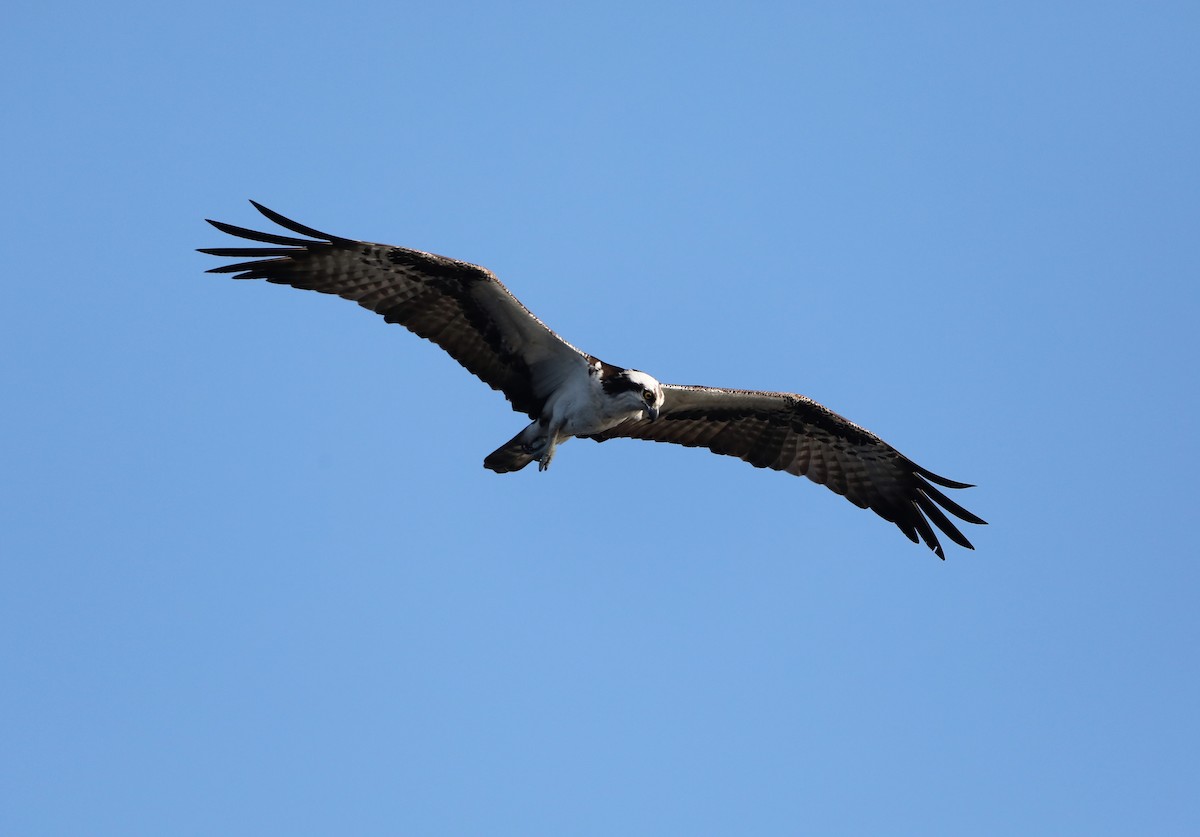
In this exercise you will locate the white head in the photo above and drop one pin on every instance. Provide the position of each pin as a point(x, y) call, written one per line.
point(636, 391)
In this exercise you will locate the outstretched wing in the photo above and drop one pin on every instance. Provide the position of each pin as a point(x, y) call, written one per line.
point(796, 434)
point(461, 307)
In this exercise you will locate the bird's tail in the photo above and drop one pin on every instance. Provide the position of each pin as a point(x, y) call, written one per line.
point(513, 455)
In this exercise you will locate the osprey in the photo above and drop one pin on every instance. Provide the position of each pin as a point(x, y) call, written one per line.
point(566, 392)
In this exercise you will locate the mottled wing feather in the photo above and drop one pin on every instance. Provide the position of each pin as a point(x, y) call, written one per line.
point(459, 306)
point(788, 432)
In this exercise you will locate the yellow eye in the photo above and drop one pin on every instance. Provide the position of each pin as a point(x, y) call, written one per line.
point(649, 396)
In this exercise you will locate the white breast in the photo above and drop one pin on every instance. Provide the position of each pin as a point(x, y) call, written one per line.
point(580, 407)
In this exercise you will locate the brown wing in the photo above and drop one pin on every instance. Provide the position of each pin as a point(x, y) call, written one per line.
point(792, 433)
point(459, 306)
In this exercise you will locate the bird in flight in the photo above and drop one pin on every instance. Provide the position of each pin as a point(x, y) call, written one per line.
point(569, 393)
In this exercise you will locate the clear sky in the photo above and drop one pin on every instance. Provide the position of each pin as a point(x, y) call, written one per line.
point(255, 579)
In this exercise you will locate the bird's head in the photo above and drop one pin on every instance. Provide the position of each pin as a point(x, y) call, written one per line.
point(639, 391)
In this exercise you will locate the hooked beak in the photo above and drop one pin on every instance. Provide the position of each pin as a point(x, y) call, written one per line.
point(652, 412)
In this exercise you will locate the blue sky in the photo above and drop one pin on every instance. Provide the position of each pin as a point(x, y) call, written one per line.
point(255, 579)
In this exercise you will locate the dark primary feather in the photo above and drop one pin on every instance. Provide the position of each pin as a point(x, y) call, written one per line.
point(788, 432)
point(459, 306)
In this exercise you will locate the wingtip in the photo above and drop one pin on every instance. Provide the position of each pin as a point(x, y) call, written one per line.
point(939, 479)
point(265, 211)
point(955, 536)
point(296, 227)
